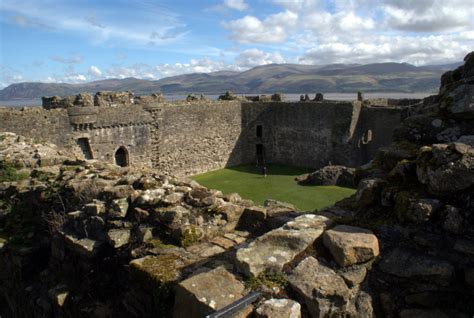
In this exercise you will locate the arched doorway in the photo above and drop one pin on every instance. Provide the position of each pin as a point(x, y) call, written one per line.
point(121, 157)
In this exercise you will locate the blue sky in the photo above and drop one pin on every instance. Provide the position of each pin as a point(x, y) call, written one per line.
point(78, 41)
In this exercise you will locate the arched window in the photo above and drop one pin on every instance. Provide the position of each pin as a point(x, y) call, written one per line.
point(121, 157)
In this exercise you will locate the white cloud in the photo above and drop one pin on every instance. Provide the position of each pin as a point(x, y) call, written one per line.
point(74, 78)
point(274, 29)
point(73, 59)
point(95, 71)
point(239, 5)
point(254, 57)
point(429, 15)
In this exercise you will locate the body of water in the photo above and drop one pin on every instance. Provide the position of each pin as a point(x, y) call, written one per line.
point(288, 97)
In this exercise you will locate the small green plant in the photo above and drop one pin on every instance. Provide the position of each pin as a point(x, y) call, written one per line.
point(268, 279)
point(189, 236)
point(9, 173)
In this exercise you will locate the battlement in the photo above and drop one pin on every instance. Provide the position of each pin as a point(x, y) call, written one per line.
point(198, 135)
point(101, 99)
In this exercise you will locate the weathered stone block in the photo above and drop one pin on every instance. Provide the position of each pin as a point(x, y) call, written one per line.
point(324, 292)
point(276, 248)
point(351, 245)
point(206, 292)
point(279, 308)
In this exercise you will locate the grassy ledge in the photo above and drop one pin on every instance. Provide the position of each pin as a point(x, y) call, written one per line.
point(279, 184)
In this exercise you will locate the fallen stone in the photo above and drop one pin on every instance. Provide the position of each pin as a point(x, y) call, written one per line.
point(324, 292)
point(118, 237)
point(169, 214)
point(161, 269)
point(206, 292)
point(368, 191)
point(354, 276)
point(409, 265)
point(278, 308)
point(464, 246)
point(59, 295)
point(276, 248)
point(351, 245)
point(94, 208)
point(329, 175)
point(85, 246)
point(252, 218)
point(118, 208)
point(454, 220)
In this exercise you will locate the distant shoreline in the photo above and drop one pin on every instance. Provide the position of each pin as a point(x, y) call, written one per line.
point(289, 97)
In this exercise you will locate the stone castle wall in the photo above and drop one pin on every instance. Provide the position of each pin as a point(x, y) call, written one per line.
point(309, 134)
point(52, 126)
point(374, 129)
point(190, 138)
point(199, 137)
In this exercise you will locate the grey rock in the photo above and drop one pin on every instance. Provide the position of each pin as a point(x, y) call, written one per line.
point(206, 292)
point(276, 248)
point(324, 292)
point(118, 208)
point(329, 175)
point(118, 237)
point(454, 220)
point(278, 308)
point(351, 245)
point(409, 265)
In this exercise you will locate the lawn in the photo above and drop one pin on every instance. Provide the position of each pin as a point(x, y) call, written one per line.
point(279, 185)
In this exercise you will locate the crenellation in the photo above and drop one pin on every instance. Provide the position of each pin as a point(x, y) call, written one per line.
point(190, 137)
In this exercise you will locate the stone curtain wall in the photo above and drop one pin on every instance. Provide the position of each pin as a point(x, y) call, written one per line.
point(374, 130)
point(305, 134)
point(190, 138)
point(199, 137)
point(43, 125)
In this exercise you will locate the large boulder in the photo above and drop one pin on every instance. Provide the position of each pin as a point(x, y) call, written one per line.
point(446, 169)
point(206, 292)
point(329, 175)
point(411, 265)
point(324, 292)
point(276, 248)
point(350, 245)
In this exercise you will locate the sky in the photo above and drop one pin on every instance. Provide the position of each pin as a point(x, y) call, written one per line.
point(83, 40)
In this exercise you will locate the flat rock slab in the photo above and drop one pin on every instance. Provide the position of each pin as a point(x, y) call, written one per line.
point(351, 245)
point(206, 292)
point(406, 264)
point(275, 249)
point(324, 292)
point(279, 308)
point(159, 270)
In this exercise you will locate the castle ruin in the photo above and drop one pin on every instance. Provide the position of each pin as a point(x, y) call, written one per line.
point(186, 138)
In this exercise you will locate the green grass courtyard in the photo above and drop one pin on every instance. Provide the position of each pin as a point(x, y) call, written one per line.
point(278, 185)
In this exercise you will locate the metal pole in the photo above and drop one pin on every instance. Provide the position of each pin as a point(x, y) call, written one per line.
point(235, 306)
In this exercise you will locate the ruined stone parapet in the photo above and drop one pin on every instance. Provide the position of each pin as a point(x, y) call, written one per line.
point(83, 115)
point(113, 99)
point(57, 102)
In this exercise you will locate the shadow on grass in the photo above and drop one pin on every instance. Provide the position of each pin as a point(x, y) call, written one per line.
point(272, 169)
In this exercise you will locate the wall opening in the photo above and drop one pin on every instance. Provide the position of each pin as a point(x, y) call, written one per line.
point(121, 157)
point(260, 154)
point(367, 137)
point(85, 147)
point(259, 131)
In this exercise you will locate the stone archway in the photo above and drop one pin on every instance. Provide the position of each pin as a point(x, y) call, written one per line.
point(121, 157)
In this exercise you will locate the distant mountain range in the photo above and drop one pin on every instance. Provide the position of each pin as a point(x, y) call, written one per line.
point(284, 78)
